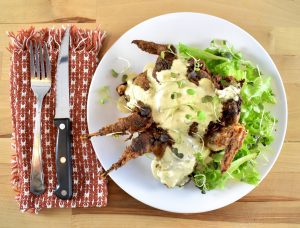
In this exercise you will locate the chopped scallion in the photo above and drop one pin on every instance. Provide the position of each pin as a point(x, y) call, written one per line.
point(190, 92)
point(124, 78)
point(114, 73)
point(201, 115)
point(180, 84)
point(188, 116)
point(206, 99)
point(173, 75)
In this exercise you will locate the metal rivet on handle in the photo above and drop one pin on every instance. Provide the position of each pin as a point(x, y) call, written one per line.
point(62, 126)
point(63, 160)
point(63, 192)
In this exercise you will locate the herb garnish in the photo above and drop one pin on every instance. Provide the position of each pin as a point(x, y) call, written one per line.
point(175, 95)
point(188, 116)
point(104, 93)
point(180, 84)
point(175, 151)
point(173, 75)
point(206, 99)
point(114, 73)
point(124, 77)
point(190, 92)
point(201, 115)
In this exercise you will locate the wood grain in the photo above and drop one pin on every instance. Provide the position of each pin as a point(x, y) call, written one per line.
point(129, 221)
point(41, 11)
point(275, 24)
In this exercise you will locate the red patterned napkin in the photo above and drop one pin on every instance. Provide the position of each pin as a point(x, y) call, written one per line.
point(89, 190)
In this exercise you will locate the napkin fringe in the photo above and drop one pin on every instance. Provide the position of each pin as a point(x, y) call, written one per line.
point(15, 181)
point(14, 173)
point(81, 39)
point(84, 41)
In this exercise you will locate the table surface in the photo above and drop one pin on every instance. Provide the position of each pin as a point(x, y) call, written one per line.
point(275, 24)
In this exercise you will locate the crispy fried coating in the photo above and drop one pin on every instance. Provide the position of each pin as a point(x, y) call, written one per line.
point(228, 134)
point(153, 140)
point(222, 82)
point(239, 133)
point(231, 111)
point(150, 47)
point(228, 138)
point(197, 70)
point(163, 62)
point(127, 125)
point(121, 89)
point(193, 129)
point(142, 81)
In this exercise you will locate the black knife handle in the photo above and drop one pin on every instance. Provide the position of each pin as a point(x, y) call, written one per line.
point(63, 159)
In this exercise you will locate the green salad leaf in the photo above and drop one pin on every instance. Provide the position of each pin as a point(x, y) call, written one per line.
point(197, 53)
point(256, 93)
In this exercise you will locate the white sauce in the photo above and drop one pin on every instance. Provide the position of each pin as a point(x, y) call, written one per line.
point(170, 114)
point(230, 92)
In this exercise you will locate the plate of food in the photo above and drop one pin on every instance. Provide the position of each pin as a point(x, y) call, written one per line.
point(187, 112)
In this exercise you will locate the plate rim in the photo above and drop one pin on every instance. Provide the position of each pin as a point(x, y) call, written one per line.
point(285, 121)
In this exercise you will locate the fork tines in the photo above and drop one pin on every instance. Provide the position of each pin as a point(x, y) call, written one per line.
point(40, 67)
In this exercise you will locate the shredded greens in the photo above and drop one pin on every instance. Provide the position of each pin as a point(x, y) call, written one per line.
point(114, 73)
point(104, 93)
point(256, 93)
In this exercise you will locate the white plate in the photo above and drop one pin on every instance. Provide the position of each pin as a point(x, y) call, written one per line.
point(135, 178)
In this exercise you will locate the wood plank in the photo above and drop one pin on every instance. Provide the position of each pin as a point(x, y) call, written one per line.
point(274, 39)
point(43, 11)
point(288, 161)
point(53, 217)
point(129, 221)
point(285, 42)
point(266, 13)
point(289, 67)
point(269, 194)
point(7, 151)
point(253, 212)
point(5, 114)
point(292, 91)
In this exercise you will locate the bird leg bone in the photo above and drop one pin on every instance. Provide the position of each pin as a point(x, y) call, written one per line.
point(126, 125)
point(153, 140)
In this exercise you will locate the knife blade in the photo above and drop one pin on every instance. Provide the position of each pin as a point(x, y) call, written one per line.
point(62, 123)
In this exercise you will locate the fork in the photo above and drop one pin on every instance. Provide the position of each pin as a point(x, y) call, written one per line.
point(40, 71)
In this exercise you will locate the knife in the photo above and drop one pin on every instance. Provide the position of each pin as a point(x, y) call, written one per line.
point(62, 123)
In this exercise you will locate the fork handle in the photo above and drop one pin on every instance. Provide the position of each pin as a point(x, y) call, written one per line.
point(37, 186)
point(63, 159)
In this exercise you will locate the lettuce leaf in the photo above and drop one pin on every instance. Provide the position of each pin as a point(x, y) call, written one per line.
point(256, 93)
point(197, 53)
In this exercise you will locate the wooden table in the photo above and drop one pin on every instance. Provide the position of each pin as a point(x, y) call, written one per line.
point(275, 24)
